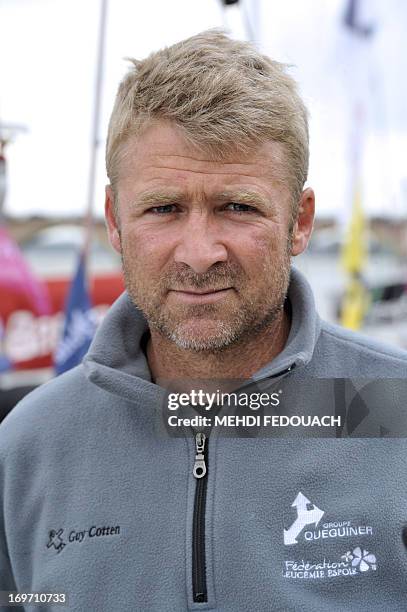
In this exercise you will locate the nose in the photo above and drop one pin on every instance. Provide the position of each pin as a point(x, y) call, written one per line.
point(200, 245)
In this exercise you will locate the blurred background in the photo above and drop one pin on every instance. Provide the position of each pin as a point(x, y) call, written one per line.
point(60, 65)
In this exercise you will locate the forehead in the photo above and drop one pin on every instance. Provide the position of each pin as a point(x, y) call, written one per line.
point(161, 153)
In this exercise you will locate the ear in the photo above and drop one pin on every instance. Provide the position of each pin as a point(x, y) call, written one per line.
point(304, 223)
point(112, 219)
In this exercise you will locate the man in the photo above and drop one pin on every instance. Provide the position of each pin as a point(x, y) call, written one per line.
point(207, 156)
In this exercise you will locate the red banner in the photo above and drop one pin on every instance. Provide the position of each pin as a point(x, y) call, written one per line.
point(30, 339)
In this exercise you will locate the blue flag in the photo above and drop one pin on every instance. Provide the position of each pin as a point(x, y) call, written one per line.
point(5, 364)
point(354, 22)
point(80, 325)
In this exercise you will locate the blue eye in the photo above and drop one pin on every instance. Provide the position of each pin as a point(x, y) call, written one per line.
point(162, 210)
point(240, 208)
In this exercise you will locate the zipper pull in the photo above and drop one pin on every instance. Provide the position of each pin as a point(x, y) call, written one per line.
point(199, 465)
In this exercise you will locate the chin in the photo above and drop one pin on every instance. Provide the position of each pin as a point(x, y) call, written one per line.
point(208, 336)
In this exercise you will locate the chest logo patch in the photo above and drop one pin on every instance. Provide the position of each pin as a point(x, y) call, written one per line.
point(307, 514)
point(307, 527)
point(57, 539)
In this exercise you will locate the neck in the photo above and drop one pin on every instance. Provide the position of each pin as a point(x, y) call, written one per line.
point(168, 362)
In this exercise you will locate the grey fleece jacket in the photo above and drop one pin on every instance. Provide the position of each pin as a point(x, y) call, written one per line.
point(96, 503)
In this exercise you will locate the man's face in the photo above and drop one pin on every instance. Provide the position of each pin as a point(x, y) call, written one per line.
point(205, 244)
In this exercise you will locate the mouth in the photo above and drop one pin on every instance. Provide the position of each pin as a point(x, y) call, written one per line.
point(206, 296)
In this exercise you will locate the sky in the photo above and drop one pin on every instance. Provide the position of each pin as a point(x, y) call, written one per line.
point(48, 52)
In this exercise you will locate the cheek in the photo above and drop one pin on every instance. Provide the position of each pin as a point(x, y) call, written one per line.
point(256, 248)
point(149, 249)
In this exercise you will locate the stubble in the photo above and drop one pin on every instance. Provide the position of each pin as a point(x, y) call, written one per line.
point(210, 328)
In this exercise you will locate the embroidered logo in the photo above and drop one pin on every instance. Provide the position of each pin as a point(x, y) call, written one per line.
point(56, 540)
point(78, 536)
point(307, 527)
point(307, 514)
point(362, 560)
point(353, 563)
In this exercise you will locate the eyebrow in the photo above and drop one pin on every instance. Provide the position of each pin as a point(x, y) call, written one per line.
point(241, 196)
point(156, 198)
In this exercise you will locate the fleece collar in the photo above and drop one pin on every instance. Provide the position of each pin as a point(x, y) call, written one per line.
point(304, 331)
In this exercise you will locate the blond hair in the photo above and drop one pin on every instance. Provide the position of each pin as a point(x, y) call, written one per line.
point(222, 93)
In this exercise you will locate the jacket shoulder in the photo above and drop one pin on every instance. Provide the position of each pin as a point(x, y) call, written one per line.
point(51, 405)
point(342, 352)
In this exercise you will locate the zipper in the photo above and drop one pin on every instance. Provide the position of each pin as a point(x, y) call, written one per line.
point(200, 472)
point(199, 588)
